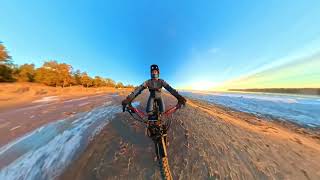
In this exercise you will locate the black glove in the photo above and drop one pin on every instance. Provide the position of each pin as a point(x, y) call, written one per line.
point(182, 101)
point(124, 104)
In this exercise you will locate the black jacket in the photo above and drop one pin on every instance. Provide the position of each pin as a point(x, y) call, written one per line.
point(154, 86)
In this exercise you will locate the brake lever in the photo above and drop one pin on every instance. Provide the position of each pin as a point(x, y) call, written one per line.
point(180, 105)
point(129, 108)
point(125, 108)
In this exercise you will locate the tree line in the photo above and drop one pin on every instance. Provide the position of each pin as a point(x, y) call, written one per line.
point(51, 73)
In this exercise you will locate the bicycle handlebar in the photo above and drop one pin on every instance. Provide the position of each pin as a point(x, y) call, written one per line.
point(142, 114)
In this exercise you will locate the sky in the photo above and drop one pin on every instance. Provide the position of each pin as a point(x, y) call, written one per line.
point(199, 45)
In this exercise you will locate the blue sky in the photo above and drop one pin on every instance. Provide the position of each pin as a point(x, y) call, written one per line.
point(197, 44)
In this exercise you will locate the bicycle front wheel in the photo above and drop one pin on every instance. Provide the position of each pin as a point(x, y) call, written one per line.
point(161, 152)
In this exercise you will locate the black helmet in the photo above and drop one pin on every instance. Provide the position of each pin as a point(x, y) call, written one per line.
point(154, 67)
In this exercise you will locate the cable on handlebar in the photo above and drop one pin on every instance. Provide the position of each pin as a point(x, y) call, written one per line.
point(138, 119)
point(130, 112)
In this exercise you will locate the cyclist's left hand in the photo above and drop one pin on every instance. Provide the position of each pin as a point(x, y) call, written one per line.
point(182, 101)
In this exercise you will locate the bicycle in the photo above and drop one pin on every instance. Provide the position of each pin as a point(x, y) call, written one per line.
point(157, 131)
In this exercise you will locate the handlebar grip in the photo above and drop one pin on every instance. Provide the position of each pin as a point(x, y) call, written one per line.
point(124, 106)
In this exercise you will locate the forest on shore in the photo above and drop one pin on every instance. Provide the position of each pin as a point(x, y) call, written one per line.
point(51, 73)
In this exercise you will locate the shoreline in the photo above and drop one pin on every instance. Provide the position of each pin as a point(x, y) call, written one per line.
point(298, 110)
point(255, 120)
point(313, 92)
point(267, 118)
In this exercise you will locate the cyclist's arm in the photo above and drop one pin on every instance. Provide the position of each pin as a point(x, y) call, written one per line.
point(137, 91)
point(171, 89)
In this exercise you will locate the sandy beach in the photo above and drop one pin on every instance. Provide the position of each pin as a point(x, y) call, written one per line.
point(206, 142)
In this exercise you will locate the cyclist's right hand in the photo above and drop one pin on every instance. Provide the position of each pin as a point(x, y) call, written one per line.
point(124, 104)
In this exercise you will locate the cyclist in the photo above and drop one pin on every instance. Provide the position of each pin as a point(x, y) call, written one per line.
point(154, 85)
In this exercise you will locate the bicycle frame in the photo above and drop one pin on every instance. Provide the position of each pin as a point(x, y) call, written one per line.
point(158, 133)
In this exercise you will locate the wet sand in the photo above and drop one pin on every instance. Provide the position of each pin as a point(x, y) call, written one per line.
point(19, 118)
point(206, 142)
point(46, 151)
